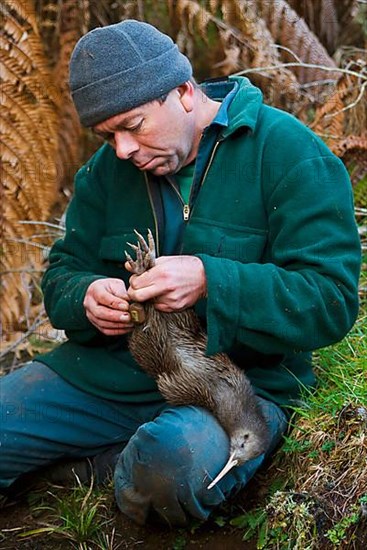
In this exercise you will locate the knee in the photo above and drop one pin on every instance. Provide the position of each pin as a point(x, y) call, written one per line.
point(180, 444)
point(168, 464)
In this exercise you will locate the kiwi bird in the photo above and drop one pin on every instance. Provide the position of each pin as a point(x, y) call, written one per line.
point(170, 347)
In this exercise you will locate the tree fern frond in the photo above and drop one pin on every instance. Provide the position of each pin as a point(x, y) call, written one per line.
point(73, 25)
point(321, 17)
point(29, 135)
point(290, 30)
point(342, 119)
point(280, 86)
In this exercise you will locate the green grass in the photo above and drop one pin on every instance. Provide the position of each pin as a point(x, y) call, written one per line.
point(81, 515)
point(341, 371)
point(322, 467)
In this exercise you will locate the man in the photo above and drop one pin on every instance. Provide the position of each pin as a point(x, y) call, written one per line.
point(254, 224)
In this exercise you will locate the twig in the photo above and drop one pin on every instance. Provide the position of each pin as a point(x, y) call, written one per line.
point(53, 225)
point(331, 136)
point(25, 241)
point(278, 46)
point(351, 105)
point(305, 65)
point(36, 323)
point(314, 83)
point(24, 270)
point(47, 234)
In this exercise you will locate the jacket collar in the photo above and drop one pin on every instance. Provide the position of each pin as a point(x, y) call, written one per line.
point(243, 110)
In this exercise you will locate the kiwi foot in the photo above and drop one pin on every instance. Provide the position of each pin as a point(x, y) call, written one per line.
point(145, 253)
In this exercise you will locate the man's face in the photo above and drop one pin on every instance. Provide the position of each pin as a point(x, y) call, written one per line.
point(156, 137)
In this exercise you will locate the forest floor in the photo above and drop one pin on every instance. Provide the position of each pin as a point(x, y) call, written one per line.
point(27, 525)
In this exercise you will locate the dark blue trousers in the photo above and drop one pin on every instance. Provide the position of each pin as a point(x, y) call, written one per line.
point(170, 457)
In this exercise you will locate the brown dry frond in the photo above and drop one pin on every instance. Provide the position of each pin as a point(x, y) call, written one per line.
point(352, 22)
point(297, 40)
point(322, 18)
point(353, 151)
point(338, 474)
point(29, 137)
point(48, 18)
point(355, 144)
point(280, 86)
point(72, 26)
point(196, 18)
point(346, 9)
point(191, 25)
point(333, 21)
point(105, 12)
point(342, 121)
point(235, 38)
point(40, 126)
point(330, 117)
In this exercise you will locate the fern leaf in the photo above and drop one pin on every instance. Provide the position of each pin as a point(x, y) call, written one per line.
point(321, 17)
point(29, 127)
point(291, 31)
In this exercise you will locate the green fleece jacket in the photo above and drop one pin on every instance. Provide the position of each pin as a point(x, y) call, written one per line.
point(273, 223)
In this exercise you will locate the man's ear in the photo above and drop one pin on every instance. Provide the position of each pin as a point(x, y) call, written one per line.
point(186, 93)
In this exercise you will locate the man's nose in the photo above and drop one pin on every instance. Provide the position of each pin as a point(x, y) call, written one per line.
point(125, 145)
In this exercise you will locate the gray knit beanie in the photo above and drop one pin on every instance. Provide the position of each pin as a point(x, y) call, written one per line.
point(116, 68)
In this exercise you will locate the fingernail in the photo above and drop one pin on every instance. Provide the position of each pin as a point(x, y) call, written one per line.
point(124, 316)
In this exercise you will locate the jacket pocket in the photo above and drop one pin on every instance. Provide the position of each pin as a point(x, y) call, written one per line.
point(222, 240)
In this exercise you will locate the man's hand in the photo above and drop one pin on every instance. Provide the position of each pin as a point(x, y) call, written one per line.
point(174, 283)
point(106, 304)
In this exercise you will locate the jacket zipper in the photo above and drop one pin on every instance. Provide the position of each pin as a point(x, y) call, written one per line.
point(210, 161)
point(186, 209)
point(186, 212)
point(154, 214)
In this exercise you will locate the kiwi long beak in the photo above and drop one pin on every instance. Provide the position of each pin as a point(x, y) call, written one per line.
point(232, 461)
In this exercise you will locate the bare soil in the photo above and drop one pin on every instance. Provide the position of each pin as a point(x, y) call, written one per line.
point(16, 517)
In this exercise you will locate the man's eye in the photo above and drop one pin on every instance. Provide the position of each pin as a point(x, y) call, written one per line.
point(135, 128)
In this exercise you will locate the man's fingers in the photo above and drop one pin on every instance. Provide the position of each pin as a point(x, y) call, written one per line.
point(108, 299)
point(144, 280)
point(116, 287)
point(103, 313)
point(114, 331)
point(148, 285)
point(104, 325)
point(108, 292)
point(174, 283)
point(109, 325)
point(141, 295)
point(107, 307)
